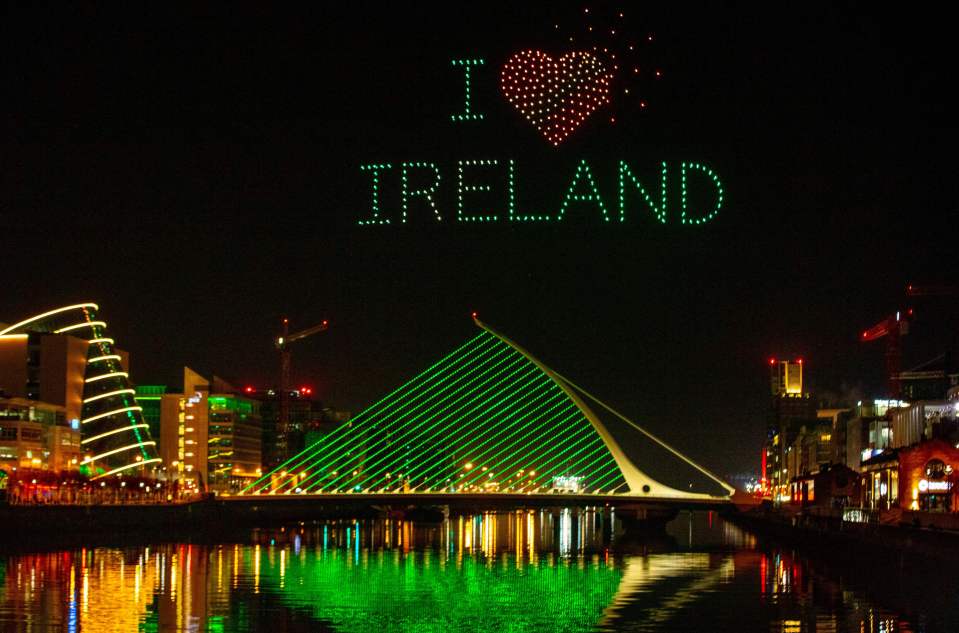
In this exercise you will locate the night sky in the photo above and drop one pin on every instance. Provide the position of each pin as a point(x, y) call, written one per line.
point(198, 175)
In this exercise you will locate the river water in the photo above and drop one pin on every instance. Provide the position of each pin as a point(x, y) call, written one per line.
point(515, 572)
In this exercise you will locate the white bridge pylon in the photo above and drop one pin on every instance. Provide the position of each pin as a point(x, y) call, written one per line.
point(640, 484)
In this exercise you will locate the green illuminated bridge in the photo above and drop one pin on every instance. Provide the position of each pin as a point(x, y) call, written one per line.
point(488, 421)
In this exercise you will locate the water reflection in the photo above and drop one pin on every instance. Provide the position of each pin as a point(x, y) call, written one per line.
point(522, 571)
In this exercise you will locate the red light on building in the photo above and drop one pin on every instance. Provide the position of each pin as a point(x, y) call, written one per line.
point(799, 360)
point(772, 361)
point(248, 389)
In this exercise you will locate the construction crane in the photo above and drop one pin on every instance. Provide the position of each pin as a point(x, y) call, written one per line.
point(895, 326)
point(892, 328)
point(282, 343)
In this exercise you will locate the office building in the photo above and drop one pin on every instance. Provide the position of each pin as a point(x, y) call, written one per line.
point(210, 435)
point(309, 420)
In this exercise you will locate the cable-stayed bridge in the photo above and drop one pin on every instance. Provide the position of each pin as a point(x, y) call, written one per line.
point(486, 423)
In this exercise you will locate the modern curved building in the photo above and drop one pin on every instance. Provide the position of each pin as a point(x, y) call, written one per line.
point(115, 438)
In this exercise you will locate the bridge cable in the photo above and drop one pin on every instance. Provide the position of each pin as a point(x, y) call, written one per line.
point(669, 448)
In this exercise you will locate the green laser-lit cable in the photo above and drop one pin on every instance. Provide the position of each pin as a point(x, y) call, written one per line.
point(406, 437)
point(479, 458)
point(512, 428)
point(451, 421)
point(467, 447)
point(495, 467)
point(454, 423)
point(543, 453)
point(603, 462)
point(663, 444)
point(459, 378)
point(358, 418)
point(542, 431)
point(344, 430)
point(372, 422)
point(614, 475)
point(565, 462)
point(529, 432)
point(562, 459)
point(319, 468)
point(539, 433)
point(333, 439)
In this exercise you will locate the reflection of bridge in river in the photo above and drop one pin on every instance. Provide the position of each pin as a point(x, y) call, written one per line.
point(488, 425)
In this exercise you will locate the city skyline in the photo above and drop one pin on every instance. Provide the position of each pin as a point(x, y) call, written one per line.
point(219, 189)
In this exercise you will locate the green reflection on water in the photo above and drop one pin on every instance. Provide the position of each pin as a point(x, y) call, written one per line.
point(428, 591)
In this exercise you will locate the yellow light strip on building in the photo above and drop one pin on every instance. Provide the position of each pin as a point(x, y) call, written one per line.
point(97, 359)
point(100, 416)
point(117, 450)
point(127, 467)
point(50, 313)
point(112, 374)
point(14, 336)
point(77, 326)
point(100, 340)
point(108, 394)
point(114, 432)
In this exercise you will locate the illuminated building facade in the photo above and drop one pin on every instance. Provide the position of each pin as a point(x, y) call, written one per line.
point(210, 435)
point(72, 363)
point(183, 432)
point(234, 442)
point(791, 409)
point(922, 477)
point(309, 421)
point(37, 435)
point(148, 397)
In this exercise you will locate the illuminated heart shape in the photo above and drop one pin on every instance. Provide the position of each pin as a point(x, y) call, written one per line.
point(555, 96)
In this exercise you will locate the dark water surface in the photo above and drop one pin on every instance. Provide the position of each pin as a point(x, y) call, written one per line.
point(516, 572)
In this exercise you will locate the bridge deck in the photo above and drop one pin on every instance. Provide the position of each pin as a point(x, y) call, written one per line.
point(480, 501)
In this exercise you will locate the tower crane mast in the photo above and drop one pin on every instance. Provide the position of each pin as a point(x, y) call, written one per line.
point(282, 343)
